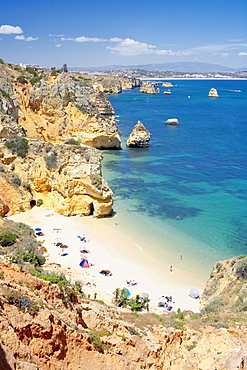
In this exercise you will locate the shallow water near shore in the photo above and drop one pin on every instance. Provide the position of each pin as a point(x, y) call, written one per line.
point(185, 195)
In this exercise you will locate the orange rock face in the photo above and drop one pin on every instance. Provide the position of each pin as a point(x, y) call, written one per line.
point(57, 334)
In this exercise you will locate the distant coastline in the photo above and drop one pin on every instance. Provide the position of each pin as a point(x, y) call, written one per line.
point(193, 78)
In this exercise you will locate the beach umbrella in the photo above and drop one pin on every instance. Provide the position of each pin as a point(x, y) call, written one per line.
point(145, 295)
point(84, 263)
point(194, 293)
point(162, 299)
point(127, 292)
point(37, 229)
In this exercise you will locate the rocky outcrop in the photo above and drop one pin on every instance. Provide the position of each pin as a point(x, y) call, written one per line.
point(139, 137)
point(172, 122)
point(213, 93)
point(108, 85)
point(167, 84)
point(65, 177)
point(227, 283)
point(58, 107)
point(148, 87)
point(129, 82)
point(54, 108)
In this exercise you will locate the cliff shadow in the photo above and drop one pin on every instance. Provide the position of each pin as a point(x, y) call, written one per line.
point(3, 361)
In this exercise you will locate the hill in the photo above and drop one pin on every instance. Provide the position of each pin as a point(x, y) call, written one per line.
point(190, 67)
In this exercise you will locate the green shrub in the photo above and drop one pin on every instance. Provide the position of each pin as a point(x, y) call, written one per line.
point(26, 186)
point(239, 306)
point(82, 109)
point(4, 93)
point(78, 286)
point(191, 346)
point(18, 145)
point(54, 278)
point(1, 61)
point(36, 79)
point(22, 302)
point(26, 230)
point(7, 237)
point(21, 79)
point(32, 71)
point(17, 69)
point(96, 181)
point(96, 341)
point(29, 256)
point(51, 160)
point(15, 179)
point(39, 202)
point(72, 142)
point(213, 306)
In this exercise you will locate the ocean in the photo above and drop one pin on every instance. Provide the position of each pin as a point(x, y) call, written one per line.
point(185, 196)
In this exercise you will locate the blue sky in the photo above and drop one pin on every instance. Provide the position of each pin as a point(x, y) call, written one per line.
point(106, 32)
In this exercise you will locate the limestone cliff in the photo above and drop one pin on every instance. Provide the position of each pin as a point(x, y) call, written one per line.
point(64, 177)
point(139, 137)
point(149, 87)
point(129, 82)
point(54, 107)
point(108, 85)
point(49, 327)
point(227, 285)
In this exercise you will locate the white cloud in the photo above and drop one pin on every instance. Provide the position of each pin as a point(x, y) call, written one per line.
point(83, 39)
point(5, 28)
point(219, 47)
point(66, 39)
point(242, 53)
point(115, 39)
point(22, 37)
point(58, 46)
point(88, 39)
point(236, 40)
point(131, 47)
point(31, 38)
point(170, 52)
point(55, 35)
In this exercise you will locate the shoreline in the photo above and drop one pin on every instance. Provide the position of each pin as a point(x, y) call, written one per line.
point(194, 78)
point(111, 246)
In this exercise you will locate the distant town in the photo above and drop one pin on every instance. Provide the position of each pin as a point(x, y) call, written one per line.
point(141, 73)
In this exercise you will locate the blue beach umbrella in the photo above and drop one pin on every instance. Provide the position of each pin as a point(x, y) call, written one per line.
point(37, 229)
point(127, 292)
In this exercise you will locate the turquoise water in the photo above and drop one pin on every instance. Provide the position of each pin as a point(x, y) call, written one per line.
point(187, 193)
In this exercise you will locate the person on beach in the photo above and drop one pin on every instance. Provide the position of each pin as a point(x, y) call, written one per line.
point(170, 268)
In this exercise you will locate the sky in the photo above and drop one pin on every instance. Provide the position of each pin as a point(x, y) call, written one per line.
point(93, 33)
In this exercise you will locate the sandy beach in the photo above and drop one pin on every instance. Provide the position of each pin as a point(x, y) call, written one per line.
point(111, 248)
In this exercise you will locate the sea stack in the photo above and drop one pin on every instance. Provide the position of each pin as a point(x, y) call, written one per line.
point(172, 122)
point(167, 84)
point(139, 137)
point(213, 93)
